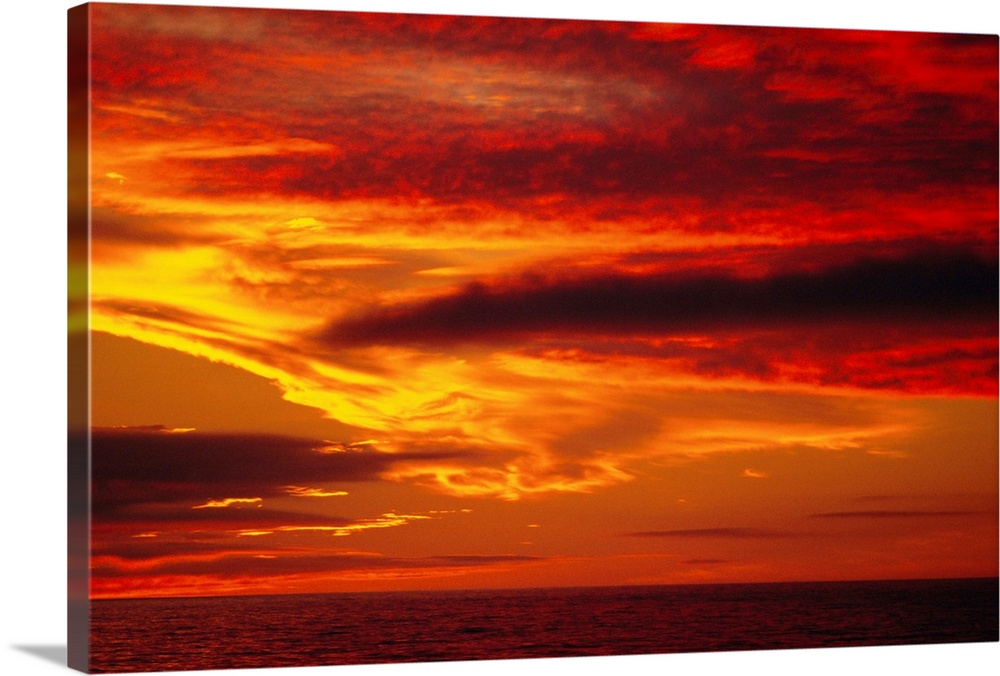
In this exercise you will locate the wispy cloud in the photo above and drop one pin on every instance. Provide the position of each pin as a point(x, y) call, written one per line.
point(721, 533)
point(388, 520)
point(228, 502)
point(233, 570)
point(895, 514)
point(306, 492)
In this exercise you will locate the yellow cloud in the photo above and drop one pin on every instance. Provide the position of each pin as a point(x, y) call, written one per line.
point(226, 502)
point(304, 492)
point(388, 520)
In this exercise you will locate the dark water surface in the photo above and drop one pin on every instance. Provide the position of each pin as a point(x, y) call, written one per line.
point(324, 629)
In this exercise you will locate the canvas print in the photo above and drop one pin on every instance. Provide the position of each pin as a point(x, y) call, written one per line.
point(426, 338)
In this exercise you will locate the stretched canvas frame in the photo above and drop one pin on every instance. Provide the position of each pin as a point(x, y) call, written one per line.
point(524, 299)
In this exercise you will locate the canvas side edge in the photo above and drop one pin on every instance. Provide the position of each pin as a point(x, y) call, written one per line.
point(78, 339)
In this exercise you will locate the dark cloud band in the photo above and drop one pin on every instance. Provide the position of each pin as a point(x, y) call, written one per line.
point(919, 288)
point(140, 466)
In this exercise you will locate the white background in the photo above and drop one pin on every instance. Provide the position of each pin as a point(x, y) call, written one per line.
point(32, 378)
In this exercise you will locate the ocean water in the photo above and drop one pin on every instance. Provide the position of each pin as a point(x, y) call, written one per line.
point(382, 627)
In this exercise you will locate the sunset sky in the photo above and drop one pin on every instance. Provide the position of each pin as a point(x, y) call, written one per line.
point(388, 302)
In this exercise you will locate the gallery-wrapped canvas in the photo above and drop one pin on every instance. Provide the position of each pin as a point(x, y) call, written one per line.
point(415, 338)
